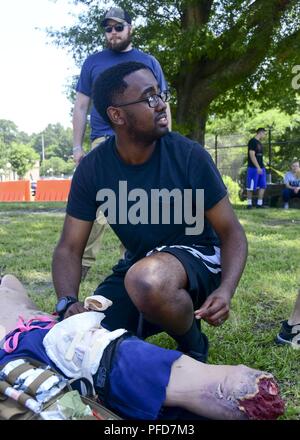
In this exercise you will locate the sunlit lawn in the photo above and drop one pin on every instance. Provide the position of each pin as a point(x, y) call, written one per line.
point(29, 232)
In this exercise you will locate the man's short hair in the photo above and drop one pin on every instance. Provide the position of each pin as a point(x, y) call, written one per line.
point(110, 84)
point(260, 129)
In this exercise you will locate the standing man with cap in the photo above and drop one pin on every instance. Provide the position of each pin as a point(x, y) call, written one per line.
point(118, 32)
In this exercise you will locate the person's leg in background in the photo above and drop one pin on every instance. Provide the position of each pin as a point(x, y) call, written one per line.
point(261, 184)
point(286, 195)
point(94, 243)
point(290, 329)
point(251, 184)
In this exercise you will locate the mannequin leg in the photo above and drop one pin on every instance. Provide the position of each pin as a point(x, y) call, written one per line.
point(223, 391)
point(14, 302)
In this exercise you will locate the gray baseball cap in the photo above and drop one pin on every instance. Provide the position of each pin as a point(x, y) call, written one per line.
point(117, 14)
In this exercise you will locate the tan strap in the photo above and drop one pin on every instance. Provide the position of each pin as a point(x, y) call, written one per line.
point(23, 398)
point(16, 396)
point(33, 387)
point(16, 372)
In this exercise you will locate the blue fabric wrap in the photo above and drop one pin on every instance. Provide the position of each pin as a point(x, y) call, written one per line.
point(139, 377)
point(30, 345)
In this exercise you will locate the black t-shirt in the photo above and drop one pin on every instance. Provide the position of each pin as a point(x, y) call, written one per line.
point(176, 163)
point(256, 146)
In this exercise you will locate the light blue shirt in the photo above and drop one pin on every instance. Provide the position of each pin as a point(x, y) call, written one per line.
point(291, 179)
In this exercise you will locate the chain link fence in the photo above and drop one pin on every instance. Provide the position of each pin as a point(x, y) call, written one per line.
point(229, 153)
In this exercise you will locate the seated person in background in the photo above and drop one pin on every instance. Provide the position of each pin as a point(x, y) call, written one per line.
point(290, 329)
point(143, 378)
point(292, 183)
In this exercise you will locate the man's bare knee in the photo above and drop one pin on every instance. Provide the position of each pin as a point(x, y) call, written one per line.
point(144, 283)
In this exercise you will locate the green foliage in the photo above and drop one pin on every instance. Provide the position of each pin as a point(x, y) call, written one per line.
point(57, 141)
point(22, 158)
point(237, 128)
point(246, 121)
point(217, 55)
point(55, 166)
point(232, 188)
point(22, 151)
point(8, 131)
point(3, 155)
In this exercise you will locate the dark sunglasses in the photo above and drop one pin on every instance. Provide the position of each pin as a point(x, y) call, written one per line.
point(117, 27)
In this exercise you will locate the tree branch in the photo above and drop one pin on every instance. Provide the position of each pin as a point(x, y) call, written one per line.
point(263, 25)
point(196, 13)
point(288, 47)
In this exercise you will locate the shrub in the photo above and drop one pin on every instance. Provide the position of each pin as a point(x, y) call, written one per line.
point(233, 189)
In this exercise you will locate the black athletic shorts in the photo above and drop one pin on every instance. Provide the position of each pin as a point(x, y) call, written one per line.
point(203, 269)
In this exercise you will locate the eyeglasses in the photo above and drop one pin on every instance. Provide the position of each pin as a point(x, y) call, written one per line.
point(117, 27)
point(152, 100)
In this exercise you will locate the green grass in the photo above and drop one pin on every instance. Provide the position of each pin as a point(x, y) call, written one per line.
point(266, 293)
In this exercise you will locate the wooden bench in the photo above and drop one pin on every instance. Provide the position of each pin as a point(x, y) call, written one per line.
point(272, 196)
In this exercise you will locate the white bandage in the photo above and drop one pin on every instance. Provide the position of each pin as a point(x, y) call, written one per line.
point(98, 303)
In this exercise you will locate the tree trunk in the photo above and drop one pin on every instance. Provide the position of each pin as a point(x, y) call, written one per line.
point(199, 131)
point(196, 130)
point(191, 112)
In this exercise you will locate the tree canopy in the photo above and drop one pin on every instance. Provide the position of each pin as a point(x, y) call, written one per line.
point(57, 141)
point(218, 55)
point(22, 158)
point(20, 151)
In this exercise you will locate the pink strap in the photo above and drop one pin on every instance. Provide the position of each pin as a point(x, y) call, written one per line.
point(25, 326)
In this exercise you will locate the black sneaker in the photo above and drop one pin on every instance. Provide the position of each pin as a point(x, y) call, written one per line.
point(289, 334)
point(249, 207)
point(261, 207)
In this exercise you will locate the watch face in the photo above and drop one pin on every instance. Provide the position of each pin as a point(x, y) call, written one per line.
point(61, 305)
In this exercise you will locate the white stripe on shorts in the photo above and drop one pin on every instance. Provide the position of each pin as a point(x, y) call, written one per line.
point(213, 259)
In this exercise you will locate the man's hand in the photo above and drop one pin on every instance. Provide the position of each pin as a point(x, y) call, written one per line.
point(78, 154)
point(296, 190)
point(74, 309)
point(259, 170)
point(215, 310)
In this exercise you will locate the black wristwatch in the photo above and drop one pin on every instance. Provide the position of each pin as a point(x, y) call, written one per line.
point(63, 304)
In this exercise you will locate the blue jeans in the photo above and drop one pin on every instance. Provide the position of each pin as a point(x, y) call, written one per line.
point(288, 194)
